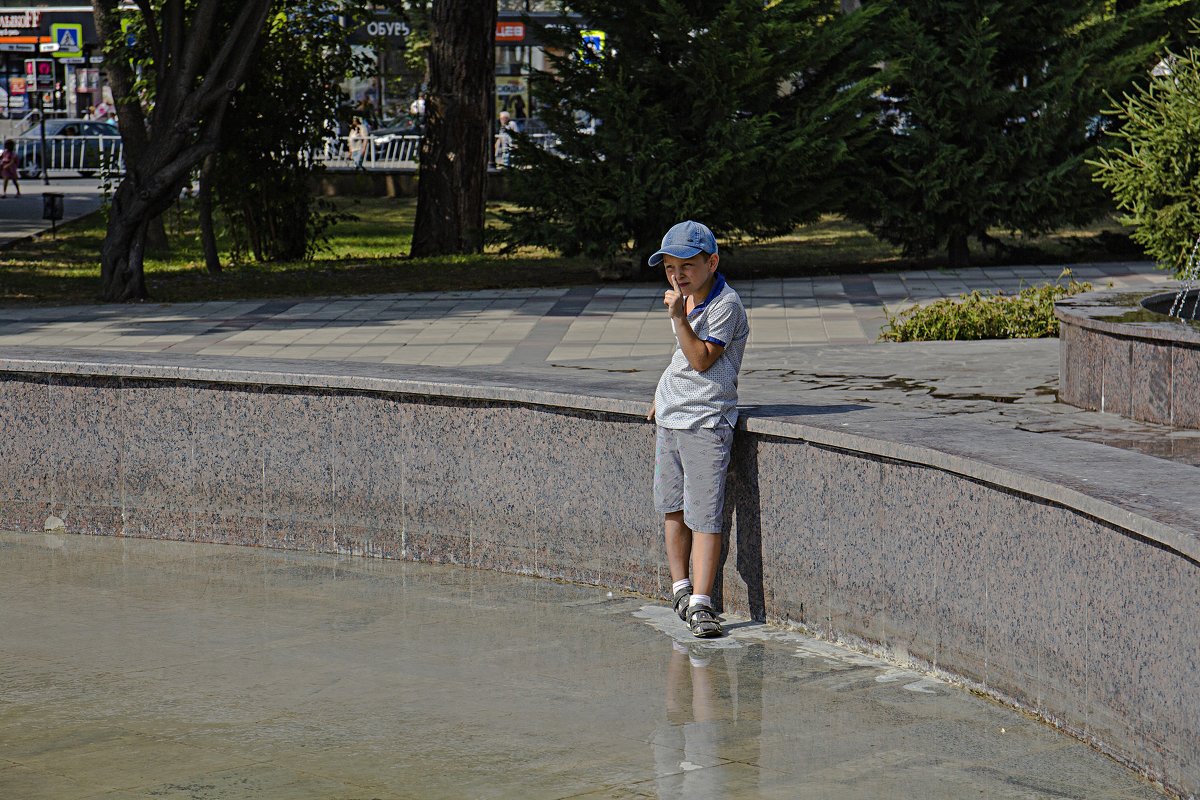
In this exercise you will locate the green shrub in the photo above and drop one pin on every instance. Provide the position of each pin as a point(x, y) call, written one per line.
point(1029, 314)
point(1153, 171)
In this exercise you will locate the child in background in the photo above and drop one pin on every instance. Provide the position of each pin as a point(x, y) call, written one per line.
point(9, 165)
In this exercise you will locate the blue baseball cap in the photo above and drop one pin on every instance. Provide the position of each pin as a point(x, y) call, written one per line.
point(684, 241)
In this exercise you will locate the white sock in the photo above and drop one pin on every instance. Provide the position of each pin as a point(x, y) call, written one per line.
point(697, 599)
point(686, 583)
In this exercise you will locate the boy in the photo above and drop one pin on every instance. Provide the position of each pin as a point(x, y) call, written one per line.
point(695, 407)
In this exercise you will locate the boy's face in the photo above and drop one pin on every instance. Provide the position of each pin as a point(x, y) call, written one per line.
point(692, 275)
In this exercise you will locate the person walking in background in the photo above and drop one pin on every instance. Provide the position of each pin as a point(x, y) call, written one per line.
point(9, 164)
point(504, 139)
point(359, 139)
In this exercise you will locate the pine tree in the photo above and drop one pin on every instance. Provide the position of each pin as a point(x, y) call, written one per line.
point(1152, 164)
point(737, 113)
point(991, 112)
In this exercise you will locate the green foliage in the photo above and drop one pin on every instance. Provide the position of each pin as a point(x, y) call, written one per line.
point(276, 123)
point(1029, 314)
point(1153, 166)
point(992, 112)
point(738, 113)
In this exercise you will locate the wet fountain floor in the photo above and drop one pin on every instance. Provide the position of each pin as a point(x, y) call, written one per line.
point(134, 669)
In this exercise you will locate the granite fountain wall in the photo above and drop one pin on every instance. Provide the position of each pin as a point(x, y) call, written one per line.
point(1120, 356)
point(1062, 603)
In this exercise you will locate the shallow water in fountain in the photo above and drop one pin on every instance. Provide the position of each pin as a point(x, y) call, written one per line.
point(1147, 315)
point(135, 668)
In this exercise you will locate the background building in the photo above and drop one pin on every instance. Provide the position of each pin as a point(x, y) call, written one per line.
point(51, 49)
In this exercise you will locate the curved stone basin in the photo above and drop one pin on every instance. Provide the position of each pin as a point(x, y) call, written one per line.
point(1120, 353)
point(1059, 579)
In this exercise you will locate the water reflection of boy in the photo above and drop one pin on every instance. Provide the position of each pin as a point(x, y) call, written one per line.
point(713, 714)
point(691, 738)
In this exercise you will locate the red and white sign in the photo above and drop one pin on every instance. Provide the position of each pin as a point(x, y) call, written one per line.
point(510, 31)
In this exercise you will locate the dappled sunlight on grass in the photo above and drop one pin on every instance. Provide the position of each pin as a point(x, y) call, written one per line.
point(367, 254)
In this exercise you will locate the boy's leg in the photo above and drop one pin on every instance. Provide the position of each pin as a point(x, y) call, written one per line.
point(706, 556)
point(679, 545)
point(705, 455)
point(668, 500)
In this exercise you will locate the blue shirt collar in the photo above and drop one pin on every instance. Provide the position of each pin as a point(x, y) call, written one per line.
point(718, 285)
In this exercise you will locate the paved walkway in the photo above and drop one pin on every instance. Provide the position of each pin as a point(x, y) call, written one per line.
point(22, 216)
point(518, 327)
point(137, 669)
point(811, 337)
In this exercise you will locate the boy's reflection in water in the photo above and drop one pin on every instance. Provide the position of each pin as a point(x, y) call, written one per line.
point(714, 714)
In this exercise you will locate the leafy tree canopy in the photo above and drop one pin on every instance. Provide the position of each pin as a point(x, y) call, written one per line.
point(992, 110)
point(737, 113)
point(277, 122)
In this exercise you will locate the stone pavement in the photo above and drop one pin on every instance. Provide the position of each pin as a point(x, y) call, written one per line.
point(518, 327)
point(22, 216)
point(216, 672)
point(810, 337)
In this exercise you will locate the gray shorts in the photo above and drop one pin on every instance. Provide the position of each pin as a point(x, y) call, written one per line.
point(689, 475)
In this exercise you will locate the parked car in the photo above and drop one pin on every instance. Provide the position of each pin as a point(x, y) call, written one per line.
point(71, 144)
point(397, 127)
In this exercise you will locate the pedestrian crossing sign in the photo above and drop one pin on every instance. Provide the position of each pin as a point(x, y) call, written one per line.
point(69, 38)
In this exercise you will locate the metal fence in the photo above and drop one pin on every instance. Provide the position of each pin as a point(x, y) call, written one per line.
point(89, 155)
point(394, 152)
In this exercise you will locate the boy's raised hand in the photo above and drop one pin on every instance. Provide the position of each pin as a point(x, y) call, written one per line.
point(674, 300)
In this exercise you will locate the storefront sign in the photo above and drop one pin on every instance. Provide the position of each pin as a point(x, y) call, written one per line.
point(385, 28)
point(388, 30)
point(39, 72)
point(20, 24)
point(510, 31)
point(512, 95)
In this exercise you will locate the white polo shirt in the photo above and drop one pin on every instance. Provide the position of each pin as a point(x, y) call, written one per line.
point(687, 399)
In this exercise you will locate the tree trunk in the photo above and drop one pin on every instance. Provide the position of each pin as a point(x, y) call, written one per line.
point(156, 235)
point(200, 57)
point(959, 253)
point(455, 150)
point(204, 206)
point(122, 255)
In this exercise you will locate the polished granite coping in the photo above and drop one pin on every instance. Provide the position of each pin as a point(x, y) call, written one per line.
point(1122, 313)
point(1147, 496)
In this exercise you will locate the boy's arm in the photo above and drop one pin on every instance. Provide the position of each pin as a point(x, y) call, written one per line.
point(650, 416)
point(701, 354)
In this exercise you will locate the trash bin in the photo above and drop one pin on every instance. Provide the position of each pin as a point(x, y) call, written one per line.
point(52, 208)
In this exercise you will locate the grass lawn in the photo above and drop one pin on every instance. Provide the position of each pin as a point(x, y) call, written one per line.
point(367, 256)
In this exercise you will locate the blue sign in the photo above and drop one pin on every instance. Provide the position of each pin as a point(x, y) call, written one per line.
point(69, 38)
